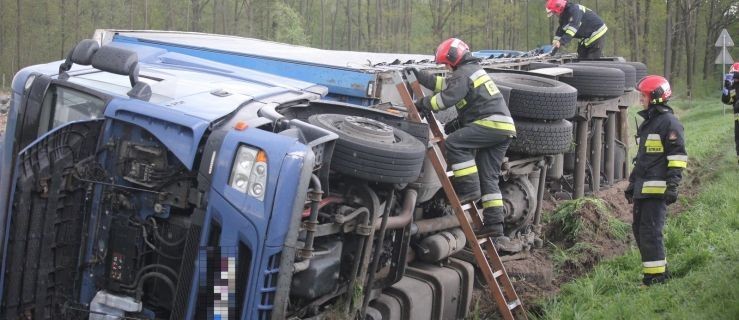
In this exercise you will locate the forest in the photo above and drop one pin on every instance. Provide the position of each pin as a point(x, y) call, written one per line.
point(673, 37)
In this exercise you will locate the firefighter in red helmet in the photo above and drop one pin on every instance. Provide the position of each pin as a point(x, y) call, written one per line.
point(577, 21)
point(475, 150)
point(729, 96)
point(658, 166)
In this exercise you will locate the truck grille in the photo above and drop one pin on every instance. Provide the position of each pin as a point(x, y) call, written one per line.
point(266, 303)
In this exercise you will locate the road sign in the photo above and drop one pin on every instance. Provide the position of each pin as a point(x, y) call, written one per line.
point(724, 57)
point(724, 39)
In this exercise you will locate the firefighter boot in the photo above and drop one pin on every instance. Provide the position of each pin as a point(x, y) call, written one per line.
point(650, 279)
point(492, 222)
point(467, 188)
point(659, 278)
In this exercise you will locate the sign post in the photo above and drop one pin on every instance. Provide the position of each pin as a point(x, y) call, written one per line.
point(724, 40)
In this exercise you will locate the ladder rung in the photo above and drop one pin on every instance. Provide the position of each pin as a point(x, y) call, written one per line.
point(449, 174)
point(497, 274)
point(512, 305)
point(466, 207)
point(434, 140)
point(482, 241)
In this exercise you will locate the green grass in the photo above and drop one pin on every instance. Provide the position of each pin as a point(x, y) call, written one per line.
point(572, 228)
point(702, 243)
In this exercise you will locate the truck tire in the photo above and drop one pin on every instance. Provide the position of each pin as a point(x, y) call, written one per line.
point(595, 82)
point(629, 71)
point(542, 138)
point(641, 69)
point(535, 97)
point(46, 226)
point(372, 150)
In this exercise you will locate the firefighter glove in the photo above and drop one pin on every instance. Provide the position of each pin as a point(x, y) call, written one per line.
point(422, 109)
point(671, 195)
point(452, 126)
point(629, 193)
point(413, 70)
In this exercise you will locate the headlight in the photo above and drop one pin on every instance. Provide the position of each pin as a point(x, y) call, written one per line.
point(249, 172)
point(29, 82)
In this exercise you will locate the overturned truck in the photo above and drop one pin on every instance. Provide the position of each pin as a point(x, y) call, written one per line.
point(163, 178)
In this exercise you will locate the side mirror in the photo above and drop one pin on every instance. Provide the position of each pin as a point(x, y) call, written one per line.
point(124, 62)
point(110, 59)
point(81, 54)
point(117, 60)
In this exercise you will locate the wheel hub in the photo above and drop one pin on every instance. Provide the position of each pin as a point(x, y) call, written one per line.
point(368, 128)
point(519, 198)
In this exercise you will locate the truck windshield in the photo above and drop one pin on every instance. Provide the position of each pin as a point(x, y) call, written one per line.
point(63, 105)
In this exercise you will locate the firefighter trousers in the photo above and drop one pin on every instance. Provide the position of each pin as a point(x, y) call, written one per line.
point(736, 134)
point(736, 128)
point(482, 150)
point(649, 220)
point(594, 51)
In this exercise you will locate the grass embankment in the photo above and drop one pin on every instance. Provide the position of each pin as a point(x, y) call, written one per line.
point(702, 242)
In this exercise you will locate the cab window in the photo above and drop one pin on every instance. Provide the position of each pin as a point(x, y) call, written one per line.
point(63, 105)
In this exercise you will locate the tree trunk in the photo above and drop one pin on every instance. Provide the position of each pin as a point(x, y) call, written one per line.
point(2, 40)
point(333, 25)
point(709, 48)
point(213, 16)
point(146, 14)
point(50, 41)
point(645, 48)
point(370, 38)
point(410, 27)
point(130, 14)
point(614, 36)
point(18, 32)
point(197, 7)
point(323, 23)
point(359, 25)
point(349, 25)
point(169, 24)
point(77, 20)
point(62, 25)
point(635, 31)
point(668, 42)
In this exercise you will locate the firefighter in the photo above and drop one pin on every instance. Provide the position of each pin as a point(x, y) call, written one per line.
point(577, 21)
point(476, 149)
point(729, 96)
point(658, 167)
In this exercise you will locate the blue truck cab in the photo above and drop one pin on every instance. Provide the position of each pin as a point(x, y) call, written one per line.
point(138, 182)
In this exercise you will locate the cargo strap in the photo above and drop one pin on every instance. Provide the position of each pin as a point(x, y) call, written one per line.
point(499, 284)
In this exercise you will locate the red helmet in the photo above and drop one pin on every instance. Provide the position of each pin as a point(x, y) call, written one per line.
point(555, 6)
point(655, 88)
point(734, 67)
point(451, 51)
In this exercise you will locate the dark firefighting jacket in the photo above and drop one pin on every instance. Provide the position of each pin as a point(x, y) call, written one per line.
point(731, 88)
point(577, 21)
point(661, 156)
point(471, 90)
